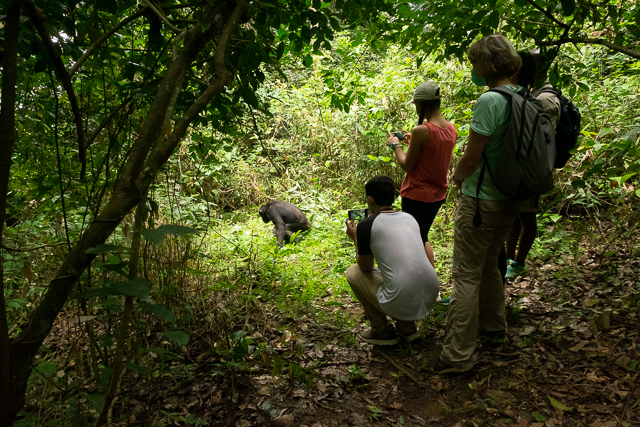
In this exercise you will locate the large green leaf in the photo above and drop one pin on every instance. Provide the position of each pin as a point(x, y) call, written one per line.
point(97, 401)
point(158, 235)
point(308, 60)
point(177, 337)
point(137, 368)
point(160, 311)
point(139, 288)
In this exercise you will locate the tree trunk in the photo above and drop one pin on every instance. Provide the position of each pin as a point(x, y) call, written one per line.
point(145, 159)
point(10, 396)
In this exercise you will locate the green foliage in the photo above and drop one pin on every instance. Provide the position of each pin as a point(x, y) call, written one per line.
point(316, 91)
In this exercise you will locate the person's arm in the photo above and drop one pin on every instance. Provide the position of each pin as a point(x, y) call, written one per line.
point(365, 262)
point(551, 104)
point(471, 157)
point(418, 138)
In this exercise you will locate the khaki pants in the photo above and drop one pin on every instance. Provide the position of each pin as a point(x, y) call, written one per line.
point(365, 287)
point(477, 300)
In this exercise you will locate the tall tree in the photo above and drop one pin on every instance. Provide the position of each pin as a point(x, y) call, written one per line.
point(156, 69)
point(450, 27)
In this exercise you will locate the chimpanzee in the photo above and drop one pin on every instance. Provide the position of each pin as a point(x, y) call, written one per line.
point(287, 219)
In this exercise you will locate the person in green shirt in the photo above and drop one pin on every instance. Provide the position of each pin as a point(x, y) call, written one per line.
point(484, 214)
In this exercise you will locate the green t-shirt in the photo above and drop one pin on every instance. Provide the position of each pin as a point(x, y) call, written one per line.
point(491, 118)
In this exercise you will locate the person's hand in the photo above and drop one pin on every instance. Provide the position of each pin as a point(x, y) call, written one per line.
point(351, 228)
point(407, 137)
point(392, 139)
point(458, 182)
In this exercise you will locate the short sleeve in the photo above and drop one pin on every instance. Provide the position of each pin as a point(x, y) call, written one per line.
point(551, 105)
point(363, 233)
point(489, 113)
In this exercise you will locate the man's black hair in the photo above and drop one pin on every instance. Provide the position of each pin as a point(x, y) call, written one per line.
point(429, 105)
point(382, 189)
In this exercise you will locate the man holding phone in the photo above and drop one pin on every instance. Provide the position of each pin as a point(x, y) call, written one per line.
point(405, 284)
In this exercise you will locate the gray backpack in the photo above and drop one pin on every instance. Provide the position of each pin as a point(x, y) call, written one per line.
point(529, 151)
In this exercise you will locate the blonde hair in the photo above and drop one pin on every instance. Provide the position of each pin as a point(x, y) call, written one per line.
point(493, 56)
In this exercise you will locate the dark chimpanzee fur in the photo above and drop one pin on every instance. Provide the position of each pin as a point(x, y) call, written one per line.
point(287, 219)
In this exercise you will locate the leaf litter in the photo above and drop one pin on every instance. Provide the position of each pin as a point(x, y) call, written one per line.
point(571, 357)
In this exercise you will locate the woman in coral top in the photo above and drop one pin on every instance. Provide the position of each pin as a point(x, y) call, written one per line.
point(426, 162)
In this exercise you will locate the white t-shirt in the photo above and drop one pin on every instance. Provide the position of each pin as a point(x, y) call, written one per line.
point(409, 283)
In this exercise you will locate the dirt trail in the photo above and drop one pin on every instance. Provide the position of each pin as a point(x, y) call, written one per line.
point(571, 357)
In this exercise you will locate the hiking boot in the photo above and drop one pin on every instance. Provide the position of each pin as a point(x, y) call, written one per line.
point(444, 301)
point(410, 337)
point(492, 335)
point(387, 337)
point(439, 367)
point(515, 270)
point(492, 338)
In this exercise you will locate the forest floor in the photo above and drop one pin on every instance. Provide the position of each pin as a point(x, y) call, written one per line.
point(571, 357)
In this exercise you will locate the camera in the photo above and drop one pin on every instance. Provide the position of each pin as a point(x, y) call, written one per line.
point(399, 135)
point(358, 214)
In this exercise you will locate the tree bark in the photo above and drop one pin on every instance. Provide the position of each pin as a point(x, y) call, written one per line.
point(145, 159)
point(11, 400)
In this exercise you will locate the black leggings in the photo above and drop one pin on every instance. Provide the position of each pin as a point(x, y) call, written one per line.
point(423, 212)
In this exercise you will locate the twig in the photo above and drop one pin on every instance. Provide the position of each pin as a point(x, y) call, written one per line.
point(31, 249)
point(95, 45)
point(547, 14)
point(164, 19)
point(36, 17)
point(401, 369)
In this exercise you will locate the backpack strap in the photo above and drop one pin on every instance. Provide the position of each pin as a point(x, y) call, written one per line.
point(477, 219)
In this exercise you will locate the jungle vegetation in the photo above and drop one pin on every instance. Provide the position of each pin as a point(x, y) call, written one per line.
point(138, 138)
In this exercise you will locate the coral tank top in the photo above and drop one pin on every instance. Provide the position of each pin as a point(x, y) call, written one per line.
point(429, 179)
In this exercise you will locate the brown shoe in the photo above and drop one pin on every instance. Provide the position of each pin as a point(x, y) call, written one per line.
point(387, 337)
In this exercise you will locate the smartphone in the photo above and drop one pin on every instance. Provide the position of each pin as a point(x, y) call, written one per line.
point(358, 214)
point(399, 135)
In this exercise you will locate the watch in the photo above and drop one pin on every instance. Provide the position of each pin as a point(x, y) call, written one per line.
point(394, 145)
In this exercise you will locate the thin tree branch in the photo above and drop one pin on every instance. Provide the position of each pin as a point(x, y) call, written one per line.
point(37, 19)
point(107, 120)
point(547, 14)
point(223, 77)
point(95, 45)
point(585, 40)
point(3, 246)
point(55, 136)
point(255, 127)
point(118, 357)
point(162, 17)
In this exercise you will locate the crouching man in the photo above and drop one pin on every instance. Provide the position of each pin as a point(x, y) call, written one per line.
point(405, 285)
